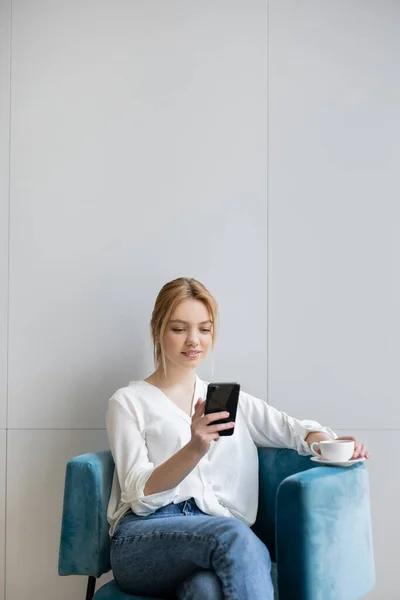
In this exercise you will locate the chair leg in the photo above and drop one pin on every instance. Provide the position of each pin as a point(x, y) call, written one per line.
point(91, 586)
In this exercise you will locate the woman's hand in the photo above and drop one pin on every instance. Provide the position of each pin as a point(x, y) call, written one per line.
point(203, 433)
point(360, 450)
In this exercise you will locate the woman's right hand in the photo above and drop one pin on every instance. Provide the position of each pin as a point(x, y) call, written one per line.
point(203, 433)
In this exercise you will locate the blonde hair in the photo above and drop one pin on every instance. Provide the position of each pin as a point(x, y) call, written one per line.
point(170, 295)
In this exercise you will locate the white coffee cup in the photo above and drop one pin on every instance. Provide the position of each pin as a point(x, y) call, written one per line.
point(334, 450)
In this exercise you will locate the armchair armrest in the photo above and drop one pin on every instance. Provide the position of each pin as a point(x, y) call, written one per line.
point(324, 535)
point(84, 543)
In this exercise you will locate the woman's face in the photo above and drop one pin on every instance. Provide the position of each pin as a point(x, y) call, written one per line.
point(188, 335)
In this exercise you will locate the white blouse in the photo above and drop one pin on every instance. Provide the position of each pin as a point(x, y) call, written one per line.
point(145, 428)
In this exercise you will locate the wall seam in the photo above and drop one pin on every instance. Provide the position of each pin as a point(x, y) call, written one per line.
point(8, 304)
point(267, 194)
point(345, 427)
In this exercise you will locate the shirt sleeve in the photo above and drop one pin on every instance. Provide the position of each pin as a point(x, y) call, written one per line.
point(272, 428)
point(132, 464)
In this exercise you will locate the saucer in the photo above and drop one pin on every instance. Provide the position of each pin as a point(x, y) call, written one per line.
point(346, 463)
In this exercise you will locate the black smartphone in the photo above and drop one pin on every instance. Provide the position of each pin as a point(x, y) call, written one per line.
point(221, 397)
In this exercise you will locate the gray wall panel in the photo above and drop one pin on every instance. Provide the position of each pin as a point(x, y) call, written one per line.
point(140, 157)
point(334, 213)
point(35, 491)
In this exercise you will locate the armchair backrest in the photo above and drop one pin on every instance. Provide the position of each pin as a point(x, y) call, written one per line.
point(275, 465)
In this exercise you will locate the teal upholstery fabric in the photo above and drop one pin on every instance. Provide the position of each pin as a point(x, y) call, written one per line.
point(314, 520)
point(274, 466)
point(111, 591)
point(85, 544)
point(323, 534)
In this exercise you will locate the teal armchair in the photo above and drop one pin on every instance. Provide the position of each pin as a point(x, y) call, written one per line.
point(315, 521)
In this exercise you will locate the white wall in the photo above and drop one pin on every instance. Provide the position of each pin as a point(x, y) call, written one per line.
point(138, 154)
point(333, 235)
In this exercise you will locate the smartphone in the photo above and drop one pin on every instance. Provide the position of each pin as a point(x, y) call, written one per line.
point(221, 397)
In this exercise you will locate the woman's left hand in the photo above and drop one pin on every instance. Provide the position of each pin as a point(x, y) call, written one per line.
point(360, 450)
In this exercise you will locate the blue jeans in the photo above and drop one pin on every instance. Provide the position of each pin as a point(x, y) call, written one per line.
point(181, 552)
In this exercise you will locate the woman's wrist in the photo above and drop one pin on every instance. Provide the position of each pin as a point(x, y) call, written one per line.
point(317, 436)
point(194, 451)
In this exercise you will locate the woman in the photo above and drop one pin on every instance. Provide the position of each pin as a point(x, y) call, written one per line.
point(183, 498)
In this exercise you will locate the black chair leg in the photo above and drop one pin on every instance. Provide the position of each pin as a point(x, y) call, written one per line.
point(91, 586)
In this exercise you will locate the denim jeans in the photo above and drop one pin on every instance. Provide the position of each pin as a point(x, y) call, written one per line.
point(181, 552)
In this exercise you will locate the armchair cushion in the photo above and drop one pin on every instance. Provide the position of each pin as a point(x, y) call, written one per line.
point(111, 590)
